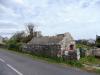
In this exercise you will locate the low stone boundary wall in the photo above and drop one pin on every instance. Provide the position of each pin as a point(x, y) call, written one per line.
point(51, 51)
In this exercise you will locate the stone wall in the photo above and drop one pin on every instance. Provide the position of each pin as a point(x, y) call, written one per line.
point(96, 52)
point(70, 56)
point(44, 50)
point(50, 51)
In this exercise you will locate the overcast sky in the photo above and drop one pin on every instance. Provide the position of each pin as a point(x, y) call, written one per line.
point(79, 17)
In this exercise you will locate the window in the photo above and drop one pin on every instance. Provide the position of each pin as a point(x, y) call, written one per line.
point(71, 47)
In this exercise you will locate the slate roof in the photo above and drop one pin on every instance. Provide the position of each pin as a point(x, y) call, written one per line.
point(45, 40)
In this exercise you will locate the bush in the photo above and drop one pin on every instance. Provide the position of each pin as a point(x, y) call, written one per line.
point(13, 45)
point(74, 63)
point(90, 60)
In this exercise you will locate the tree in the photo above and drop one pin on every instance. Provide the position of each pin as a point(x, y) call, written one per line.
point(17, 40)
point(30, 30)
point(22, 36)
point(18, 36)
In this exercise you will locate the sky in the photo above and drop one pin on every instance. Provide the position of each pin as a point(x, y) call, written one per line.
point(79, 17)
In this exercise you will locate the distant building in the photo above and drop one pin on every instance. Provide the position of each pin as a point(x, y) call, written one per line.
point(91, 41)
point(58, 44)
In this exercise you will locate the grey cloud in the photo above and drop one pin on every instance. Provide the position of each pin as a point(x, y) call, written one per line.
point(97, 3)
point(62, 15)
point(6, 34)
point(6, 25)
point(85, 4)
point(61, 2)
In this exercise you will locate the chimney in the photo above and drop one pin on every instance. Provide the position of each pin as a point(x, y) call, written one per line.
point(37, 34)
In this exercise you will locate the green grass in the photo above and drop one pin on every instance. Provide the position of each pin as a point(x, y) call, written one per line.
point(90, 60)
point(97, 71)
point(86, 47)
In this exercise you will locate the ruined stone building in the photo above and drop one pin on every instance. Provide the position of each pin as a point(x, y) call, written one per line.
point(52, 45)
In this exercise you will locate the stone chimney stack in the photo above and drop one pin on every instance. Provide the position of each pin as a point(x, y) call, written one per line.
point(37, 34)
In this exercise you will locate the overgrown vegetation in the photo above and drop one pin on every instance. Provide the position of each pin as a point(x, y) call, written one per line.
point(85, 47)
point(13, 45)
point(84, 44)
point(97, 71)
point(90, 60)
point(19, 38)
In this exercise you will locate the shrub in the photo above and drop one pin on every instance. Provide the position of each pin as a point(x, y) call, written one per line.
point(13, 45)
point(74, 63)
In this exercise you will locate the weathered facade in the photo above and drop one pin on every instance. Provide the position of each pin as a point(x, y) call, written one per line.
point(58, 45)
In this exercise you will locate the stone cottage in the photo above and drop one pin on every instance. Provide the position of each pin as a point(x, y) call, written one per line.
point(58, 45)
